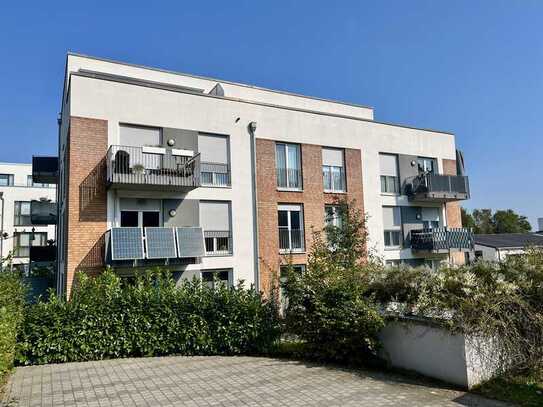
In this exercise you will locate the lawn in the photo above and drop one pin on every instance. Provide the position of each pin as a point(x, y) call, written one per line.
point(524, 390)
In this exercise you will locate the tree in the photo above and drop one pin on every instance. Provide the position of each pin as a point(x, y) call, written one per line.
point(483, 221)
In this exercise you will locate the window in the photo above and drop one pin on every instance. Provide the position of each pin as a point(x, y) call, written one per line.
point(6, 180)
point(430, 218)
point(388, 165)
point(283, 299)
point(392, 227)
point(30, 183)
point(215, 168)
point(333, 170)
point(22, 213)
point(215, 221)
point(332, 215)
point(291, 231)
point(427, 165)
point(23, 240)
point(138, 136)
point(288, 166)
point(140, 218)
point(217, 277)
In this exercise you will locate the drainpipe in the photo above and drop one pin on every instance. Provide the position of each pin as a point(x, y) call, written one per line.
point(252, 130)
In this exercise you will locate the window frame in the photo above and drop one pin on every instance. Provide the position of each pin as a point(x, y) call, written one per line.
point(229, 282)
point(17, 215)
point(9, 178)
point(389, 231)
point(17, 246)
point(291, 208)
point(299, 178)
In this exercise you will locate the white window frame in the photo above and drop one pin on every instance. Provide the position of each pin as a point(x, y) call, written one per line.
point(393, 229)
point(335, 216)
point(289, 209)
point(387, 177)
point(230, 272)
point(299, 169)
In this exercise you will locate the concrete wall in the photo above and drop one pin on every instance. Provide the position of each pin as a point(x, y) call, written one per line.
point(20, 191)
point(436, 353)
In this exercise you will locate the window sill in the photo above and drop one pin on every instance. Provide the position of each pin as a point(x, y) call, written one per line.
point(393, 248)
point(290, 189)
point(218, 254)
point(216, 186)
point(301, 251)
point(326, 191)
point(390, 194)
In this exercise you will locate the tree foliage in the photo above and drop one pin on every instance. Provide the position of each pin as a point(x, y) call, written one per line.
point(483, 221)
point(327, 304)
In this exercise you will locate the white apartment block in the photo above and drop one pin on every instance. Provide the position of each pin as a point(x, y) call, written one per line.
point(207, 177)
point(18, 190)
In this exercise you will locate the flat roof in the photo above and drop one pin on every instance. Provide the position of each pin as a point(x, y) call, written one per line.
point(509, 240)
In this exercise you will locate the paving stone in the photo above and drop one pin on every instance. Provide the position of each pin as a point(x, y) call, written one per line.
point(221, 381)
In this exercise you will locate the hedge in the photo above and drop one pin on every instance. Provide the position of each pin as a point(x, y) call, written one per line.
point(12, 298)
point(107, 318)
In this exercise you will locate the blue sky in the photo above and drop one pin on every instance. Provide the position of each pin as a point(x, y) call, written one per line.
point(474, 68)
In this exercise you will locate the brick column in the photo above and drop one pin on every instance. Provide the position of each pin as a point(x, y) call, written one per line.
point(312, 198)
point(86, 197)
point(453, 213)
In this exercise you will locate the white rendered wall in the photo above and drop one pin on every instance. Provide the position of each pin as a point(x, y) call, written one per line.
point(21, 192)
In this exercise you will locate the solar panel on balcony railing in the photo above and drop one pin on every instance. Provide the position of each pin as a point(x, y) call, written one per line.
point(190, 242)
point(126, 243)
point(160, 243)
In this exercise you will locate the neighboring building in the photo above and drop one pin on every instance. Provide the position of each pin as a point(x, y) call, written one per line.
point(21, 233)
point(497, 247)
point(229, 178)
point(539, 225)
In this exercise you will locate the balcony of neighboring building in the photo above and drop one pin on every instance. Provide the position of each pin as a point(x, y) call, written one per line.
point(43, 212)
point(45, 170)
point(441, 240)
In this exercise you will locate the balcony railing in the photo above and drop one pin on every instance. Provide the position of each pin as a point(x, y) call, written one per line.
point(440, 240)
point(43, 213)
point(437, 188)
point(218, 242)
point(45, 170)
point(215, 174)
point(128, 165)
point(291, 240)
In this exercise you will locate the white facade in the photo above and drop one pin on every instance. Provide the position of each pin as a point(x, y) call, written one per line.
point(279, 116)
point(20, 188)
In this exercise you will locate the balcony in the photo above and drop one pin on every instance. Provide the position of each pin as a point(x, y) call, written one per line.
point(437, 188)
point(43, 254)
point(154, 167)
point(43, 213)
point(45, 170)
point(133, 246)
point(442, 240)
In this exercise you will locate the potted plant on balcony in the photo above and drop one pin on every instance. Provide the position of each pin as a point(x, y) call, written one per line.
point(138, 169)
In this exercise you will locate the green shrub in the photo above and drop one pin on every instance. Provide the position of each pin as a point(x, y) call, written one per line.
point(149, 317)
point(328, 306)
point(12, 297)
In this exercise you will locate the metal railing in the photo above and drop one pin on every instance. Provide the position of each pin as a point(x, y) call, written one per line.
point(289, 178)
point(291, 240)
point(218, 242)
point(135, 165)
point(442, 239)
point(215, 174)
point(437, 183)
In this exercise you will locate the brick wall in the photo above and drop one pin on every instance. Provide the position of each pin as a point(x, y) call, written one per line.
point(312, 197)
point(86, 197)
point(452, 211)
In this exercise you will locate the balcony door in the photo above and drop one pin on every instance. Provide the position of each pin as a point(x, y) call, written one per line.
point(291, 229)
point(140, 218)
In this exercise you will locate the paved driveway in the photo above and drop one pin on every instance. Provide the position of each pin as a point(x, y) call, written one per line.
point(220, 381)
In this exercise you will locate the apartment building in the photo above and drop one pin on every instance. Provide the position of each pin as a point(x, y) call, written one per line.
point(22, 233)
point(215, 178)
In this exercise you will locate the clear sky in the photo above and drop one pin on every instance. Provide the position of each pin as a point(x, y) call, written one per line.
point(474, 68)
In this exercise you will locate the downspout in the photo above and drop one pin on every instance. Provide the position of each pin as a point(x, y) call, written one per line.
point(252, 129)
point(2, 229)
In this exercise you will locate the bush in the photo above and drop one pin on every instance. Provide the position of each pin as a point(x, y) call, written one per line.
point(149, 317)
point(328, 306)
point(502, 301)
point(12, 297)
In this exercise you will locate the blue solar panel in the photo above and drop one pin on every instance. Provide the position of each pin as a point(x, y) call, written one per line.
point(190, 242)
point(160, 243)
point(126, 243)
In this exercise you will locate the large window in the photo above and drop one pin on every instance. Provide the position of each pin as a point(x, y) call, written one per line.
point(215, 278)
point(6, 180)
point(22, 213)
point(291, 230)
point(333, 170)
point(430, 218)
point(215, 220)
point(288, 166)
point(392, 224)
point(215, 168)
point(426, 165)
point(388, 165)
point(23, 240)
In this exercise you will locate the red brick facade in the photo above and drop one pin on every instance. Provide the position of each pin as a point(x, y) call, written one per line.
point(312, 197)
point(452, 209)
point(86, 197)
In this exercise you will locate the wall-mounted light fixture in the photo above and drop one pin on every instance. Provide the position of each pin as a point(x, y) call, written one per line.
point(172, 212)
point(413, 163)
point(171, 142)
